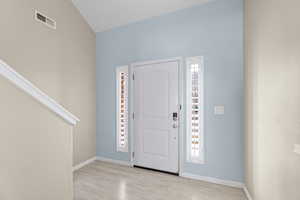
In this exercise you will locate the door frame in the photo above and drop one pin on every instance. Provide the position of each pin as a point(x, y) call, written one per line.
point(181, 119)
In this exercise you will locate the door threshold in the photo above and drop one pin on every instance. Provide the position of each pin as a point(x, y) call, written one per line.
point(156, 170)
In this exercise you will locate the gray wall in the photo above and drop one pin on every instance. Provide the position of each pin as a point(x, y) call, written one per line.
point(35, 149)
point(213, 30)
point(273, 99)
point(60, 62)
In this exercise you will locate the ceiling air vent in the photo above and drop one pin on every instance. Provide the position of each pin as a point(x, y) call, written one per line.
point(45, 20)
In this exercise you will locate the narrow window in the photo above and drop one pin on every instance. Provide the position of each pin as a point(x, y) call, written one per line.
point(195, 110)
point(122, 108)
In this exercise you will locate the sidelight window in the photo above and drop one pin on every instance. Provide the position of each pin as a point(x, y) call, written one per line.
point(195, 110)
point(122, 109)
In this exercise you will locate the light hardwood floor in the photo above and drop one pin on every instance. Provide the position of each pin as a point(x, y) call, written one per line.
point(105, 181)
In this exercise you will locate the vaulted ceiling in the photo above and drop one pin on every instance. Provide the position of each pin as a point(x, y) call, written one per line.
point(106, 14)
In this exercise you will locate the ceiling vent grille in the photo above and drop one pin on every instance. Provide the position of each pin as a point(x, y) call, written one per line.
point(45, 20)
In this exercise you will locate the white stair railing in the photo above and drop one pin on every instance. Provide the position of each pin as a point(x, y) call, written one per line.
point(7, 72)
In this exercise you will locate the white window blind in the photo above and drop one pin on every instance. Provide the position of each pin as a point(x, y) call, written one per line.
point(195, 110)
point(122, 108)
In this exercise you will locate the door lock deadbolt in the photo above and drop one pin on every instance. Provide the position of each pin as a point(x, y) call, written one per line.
point(175, 116)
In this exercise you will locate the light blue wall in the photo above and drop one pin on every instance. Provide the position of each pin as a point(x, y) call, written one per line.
point(213, 30)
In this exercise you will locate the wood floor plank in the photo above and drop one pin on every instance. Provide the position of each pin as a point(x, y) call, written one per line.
point(106, 181)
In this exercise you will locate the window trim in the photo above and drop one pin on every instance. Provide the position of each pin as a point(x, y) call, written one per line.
point(119, 70)
point(201, 158)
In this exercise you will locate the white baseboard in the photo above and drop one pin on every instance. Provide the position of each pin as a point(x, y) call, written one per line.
point(80, 165)
point(247, 193)
point(119, 162)
point(213, 180)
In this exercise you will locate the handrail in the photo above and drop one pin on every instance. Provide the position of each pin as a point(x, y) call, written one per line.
point(17, 79)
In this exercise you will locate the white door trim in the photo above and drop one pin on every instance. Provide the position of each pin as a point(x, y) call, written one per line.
point(180, 100)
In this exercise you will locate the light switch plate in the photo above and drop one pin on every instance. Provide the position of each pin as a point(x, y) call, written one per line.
point(219, 110)
point(297, 148)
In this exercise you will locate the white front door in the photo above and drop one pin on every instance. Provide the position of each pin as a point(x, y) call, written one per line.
point(156, 116)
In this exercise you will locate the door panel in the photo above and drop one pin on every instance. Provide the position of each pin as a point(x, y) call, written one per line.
point(155, 101)
point(155, 94)
point(160, 138)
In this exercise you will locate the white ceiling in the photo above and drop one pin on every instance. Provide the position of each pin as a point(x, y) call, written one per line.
point(107, 14)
